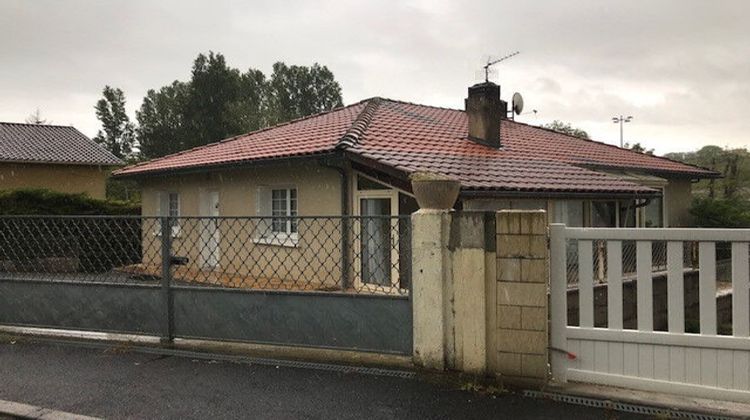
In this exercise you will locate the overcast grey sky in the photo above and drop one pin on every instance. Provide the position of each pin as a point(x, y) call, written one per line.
point(681, 68)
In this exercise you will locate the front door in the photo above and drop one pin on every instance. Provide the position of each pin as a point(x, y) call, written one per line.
point(376, 240)
point(210, 234)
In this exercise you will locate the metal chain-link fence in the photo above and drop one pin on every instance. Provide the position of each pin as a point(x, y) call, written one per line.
point(321, 253)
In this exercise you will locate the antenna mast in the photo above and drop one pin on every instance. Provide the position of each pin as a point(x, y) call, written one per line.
point(493, 62)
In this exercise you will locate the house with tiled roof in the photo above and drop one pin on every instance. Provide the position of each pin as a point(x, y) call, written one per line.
point(330, 163)
point(59, 158)
point(357, 160)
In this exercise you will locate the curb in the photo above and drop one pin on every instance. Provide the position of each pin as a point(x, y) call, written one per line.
point(26, 411)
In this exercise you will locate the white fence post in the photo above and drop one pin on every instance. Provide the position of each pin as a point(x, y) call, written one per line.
point(614, 285)
point(675, 288)
point(740, 290)
point(586, 283)
point(558, 302)
point(707, 287)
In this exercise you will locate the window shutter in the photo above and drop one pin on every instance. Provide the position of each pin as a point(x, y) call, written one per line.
point(158, 207)
point(263, 209)
point(175, 223)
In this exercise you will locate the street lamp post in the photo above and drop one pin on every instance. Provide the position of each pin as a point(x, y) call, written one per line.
point(621, 120)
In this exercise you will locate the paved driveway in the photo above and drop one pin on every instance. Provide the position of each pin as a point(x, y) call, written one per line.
point(114, 383)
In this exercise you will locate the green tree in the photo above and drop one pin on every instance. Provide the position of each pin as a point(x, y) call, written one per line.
point(297, 91)
point(638, 147)
point(214, 86)
point(162, 129)
point(118, 133)
point(566, 128)
point(720, 213)
point(220, 101)
point(732, 163)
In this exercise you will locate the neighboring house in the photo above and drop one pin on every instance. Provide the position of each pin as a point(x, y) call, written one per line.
point(58, 158)
point(357, 160)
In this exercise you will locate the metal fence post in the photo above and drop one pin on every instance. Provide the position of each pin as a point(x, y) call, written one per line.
point(346, 237)
point(166, 278)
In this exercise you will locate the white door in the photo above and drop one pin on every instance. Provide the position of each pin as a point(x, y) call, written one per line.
point(210, 234)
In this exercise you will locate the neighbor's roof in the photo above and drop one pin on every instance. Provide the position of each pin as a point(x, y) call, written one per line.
point(409, 137)
point(38, 143)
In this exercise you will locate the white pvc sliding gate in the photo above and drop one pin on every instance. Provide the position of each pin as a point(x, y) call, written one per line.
point(703, 364)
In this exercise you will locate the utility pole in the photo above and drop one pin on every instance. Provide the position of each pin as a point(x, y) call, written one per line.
point(622, 120)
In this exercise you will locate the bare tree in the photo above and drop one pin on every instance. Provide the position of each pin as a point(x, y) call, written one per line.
point(36, 118)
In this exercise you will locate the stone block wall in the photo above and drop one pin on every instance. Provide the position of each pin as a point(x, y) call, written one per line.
point(520, 336)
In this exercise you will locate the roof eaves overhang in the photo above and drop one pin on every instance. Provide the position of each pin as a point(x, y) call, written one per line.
point(708, 174)
point(378, 166)
point(229, 166)
point(61, 163)
point(499, 193)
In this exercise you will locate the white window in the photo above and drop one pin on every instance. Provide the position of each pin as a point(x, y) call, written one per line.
point(569, 212)
point(653, 213)
point(278, 208)
point(283, 209)
point(174, 205)
point(169, 206)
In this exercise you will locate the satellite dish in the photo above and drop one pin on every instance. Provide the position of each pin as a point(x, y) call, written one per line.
point(517, 103)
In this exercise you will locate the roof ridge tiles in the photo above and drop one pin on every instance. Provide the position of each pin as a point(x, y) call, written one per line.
point(398, 101)
point(37, 125)
point(360, 124)
point(239, 136)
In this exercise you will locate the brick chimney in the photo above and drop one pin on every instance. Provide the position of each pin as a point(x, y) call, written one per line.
point(485, 109)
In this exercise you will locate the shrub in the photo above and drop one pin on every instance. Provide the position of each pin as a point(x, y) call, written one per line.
point(720, 213)
point(29, 202)
point(97, 245)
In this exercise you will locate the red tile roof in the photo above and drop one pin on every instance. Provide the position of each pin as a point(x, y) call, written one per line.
point(43, 143)
point(410, 137)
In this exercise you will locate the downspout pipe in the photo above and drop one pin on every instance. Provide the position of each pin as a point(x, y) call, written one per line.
point(345, 223)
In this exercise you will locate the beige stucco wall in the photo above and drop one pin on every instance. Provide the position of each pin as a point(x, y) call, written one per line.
point(678, 198)
point(314, 262)
point(318, 189)
point(64, 178)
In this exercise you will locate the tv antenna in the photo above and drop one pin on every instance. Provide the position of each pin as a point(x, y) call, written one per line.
point(493, 62)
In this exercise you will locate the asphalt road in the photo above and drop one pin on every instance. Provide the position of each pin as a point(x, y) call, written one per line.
point(117, 383)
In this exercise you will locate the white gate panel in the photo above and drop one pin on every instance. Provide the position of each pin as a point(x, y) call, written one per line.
point(703, 364)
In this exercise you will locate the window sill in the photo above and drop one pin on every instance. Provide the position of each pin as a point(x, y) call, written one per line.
point(288, 242)
point(175, 235)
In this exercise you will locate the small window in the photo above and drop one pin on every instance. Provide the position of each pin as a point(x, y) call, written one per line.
point(169, 206)
point(174, 205)
point(654, 213)
point(604, 213)
point(569, 212)
point(283, 210)
point(628, 210)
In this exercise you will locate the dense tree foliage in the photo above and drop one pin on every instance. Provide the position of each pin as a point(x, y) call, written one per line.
point(638, 147)
point(720, 202)
point(296, 91)
point(162, 128)
point(732, 163)
point(566, 128)
point(118, 133)
point(220, 101)
point(720, 213)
